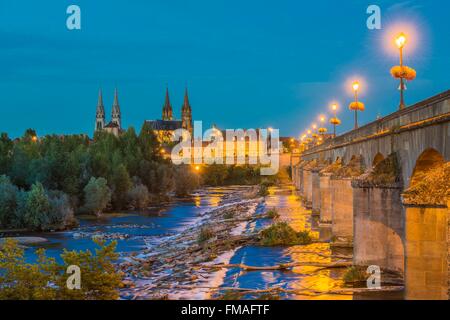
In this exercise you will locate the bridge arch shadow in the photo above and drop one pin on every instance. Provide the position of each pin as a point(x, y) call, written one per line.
point(377, 159)
point(428, 159)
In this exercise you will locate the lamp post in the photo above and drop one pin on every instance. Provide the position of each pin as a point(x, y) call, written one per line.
point(402, 72)
point(322, 129)
point(401, 41)
point(314, 131)
point(334, 121)
point(356, 105)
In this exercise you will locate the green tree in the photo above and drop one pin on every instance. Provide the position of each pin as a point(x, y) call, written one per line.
point(61, 213)
point(97, 196)
point(6, 146)
point(139, 196)
point(8, 201)
point(186, 181)
point(46, 279)
point(37, 208)
point(121, 185)
point(149, 143)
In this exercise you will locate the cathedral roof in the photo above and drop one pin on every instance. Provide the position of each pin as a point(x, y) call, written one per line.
point(168, 125)
point(112, 125)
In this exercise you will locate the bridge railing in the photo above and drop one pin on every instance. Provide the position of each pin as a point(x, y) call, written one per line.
point(427, 109)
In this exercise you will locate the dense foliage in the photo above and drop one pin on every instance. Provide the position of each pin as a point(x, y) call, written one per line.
point(219, 175)
point(43, 182)
point(47, 279)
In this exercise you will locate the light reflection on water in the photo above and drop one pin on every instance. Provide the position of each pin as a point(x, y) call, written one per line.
point(289, 207)
point(170, 218)
point(141, 228)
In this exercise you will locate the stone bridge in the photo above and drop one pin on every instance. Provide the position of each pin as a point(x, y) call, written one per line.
point(411, 240)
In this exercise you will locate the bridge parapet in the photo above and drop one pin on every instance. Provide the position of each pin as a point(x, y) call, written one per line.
point(425, 111)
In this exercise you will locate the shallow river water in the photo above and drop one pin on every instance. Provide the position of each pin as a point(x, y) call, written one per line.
point(139, 231)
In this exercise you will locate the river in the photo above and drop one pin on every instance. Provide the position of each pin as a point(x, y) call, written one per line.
point(136, 232)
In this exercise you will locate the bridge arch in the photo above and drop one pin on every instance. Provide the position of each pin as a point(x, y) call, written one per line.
point(427, 160)
point(377, 159)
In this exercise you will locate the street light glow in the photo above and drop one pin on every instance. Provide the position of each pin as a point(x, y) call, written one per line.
point(355, 86)
point(334, 106)
point(400, 41)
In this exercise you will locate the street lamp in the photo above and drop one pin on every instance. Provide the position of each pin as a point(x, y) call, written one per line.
point(402, 72)
point(356, 105)
point(322, 129)
point(334, 121)
point(314, 131)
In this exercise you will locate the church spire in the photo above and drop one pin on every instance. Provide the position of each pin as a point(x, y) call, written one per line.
point(186, 113)
point(100, 106)
point(167, 113)
point(186, 105)
point(116, 114)
point(100, 113)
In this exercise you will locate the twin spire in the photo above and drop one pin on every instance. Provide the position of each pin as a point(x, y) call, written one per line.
point(167, 113)
point(115, 114)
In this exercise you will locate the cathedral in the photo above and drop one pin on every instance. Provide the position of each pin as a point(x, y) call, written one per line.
point(115, 125)
point(163, 128)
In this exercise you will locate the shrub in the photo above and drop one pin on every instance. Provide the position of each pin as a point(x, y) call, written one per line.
point(61, 214)
point(186, 181)
point(263, 190)
point(355, 274)
point(139, 196)
point(229, 214)
point(272, 214)
point(205, 234)
point(281, 233)
point(304, 237)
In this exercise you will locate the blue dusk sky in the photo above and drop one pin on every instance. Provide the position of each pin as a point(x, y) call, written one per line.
point(247, 64)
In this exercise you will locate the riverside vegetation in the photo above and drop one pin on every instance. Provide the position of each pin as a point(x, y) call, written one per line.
point(46, 182)
point(47, 279)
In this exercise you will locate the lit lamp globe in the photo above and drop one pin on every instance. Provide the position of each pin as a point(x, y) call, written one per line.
point(334, 120)
point(322, 129)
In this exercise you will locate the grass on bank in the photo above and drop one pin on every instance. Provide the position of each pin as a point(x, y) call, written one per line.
point(281, 234)
point(205, 234)
point(355, 274)
point(272, 214)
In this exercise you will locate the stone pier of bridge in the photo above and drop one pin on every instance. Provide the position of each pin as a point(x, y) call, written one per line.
point(371, 215)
